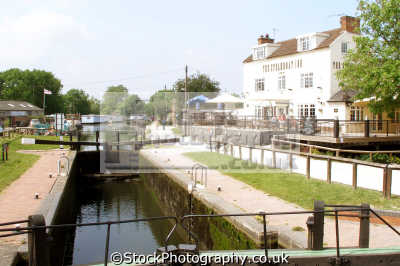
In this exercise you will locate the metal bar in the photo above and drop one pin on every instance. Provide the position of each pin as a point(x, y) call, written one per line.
point(344, 215)
point(107, 245)
point(90, 224)
point(265, 236)
point(383, 220)
point(15, 234)
point(337, 234)
point(15, 222)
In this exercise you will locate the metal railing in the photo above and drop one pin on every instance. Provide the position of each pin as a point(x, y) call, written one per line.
point(336, 212)
point(306, 126)
point(203, 171)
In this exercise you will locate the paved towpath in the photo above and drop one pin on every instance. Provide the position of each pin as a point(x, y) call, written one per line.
point(18, 201)
point(250, 199)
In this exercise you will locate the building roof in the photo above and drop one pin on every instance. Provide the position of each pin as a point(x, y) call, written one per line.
point(343, 96)
point(9, 105)
point(289, 47)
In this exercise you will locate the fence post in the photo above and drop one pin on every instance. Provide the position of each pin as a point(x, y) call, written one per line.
point(240, 152)
point(366, 128)
point(231, 149)
point(251, 154)
point(387, 182)
point(97, 140)
point(308, 167)
point(117, 140)
point(363, 240)
point(37, 242)
point(384, 187)
point(318, 239)
point(329, 171)
point(79, 139)
point(387, 128)
point(335, 128)
point(262, 157)
point(354, 175)
point(273, 159)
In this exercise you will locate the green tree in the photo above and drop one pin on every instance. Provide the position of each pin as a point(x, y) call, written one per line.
point(197, 84)
point(132, 105)
point(28, 85)
point(77, 101)
point(112, 99)
point(161, 103)
point(372, 69)
point(94, 105)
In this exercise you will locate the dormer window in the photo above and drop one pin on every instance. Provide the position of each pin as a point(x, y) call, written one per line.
point(305, 43)
point(260, 52)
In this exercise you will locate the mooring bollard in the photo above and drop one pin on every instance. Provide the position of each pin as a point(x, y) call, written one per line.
point(38, 248)
point(318, 232)
point(363, 241)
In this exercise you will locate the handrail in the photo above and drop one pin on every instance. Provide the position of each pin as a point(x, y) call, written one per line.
point(203, 169)
point(180, 221)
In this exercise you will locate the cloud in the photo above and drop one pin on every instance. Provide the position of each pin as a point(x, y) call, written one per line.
point(26, 39)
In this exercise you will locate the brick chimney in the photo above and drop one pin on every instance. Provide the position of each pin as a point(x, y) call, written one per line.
point(350, 24)
point(266, 39)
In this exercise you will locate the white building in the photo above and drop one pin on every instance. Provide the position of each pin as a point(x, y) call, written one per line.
point(297, 76)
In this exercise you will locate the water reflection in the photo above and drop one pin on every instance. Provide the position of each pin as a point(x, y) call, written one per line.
point(100, 202)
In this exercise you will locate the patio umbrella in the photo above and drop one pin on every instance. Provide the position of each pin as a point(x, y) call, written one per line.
point(198, 99)
point(225, 98)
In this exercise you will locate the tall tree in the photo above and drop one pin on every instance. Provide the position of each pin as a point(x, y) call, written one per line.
point(132, 105)
point(112, 99)
point(197, 84)
point(77, 101)
point(28, 85)
point(372, 69)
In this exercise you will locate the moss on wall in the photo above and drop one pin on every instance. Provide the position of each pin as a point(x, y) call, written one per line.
point(214, 233)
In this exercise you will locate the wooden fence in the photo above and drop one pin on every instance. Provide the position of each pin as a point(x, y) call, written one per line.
point(357, 173)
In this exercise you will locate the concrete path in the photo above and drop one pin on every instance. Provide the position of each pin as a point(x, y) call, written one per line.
point(250, 199)
point(18, 201)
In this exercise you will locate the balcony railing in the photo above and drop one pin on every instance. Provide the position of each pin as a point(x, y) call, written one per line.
point(305, 126)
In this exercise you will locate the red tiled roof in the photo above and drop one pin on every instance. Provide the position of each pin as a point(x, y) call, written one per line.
point(289, 47)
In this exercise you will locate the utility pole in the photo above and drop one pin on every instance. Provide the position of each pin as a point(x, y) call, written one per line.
point(186, 100)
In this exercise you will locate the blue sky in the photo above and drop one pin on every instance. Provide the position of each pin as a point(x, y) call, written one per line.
point(145, 45)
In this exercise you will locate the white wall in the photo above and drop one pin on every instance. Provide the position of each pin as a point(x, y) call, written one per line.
point(342, 173)
point(318, 169)
point(367, 176)
point(370, 177)
point(396, 182)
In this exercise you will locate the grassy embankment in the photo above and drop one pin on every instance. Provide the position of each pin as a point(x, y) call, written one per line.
point(17, 162)
point(292, 187)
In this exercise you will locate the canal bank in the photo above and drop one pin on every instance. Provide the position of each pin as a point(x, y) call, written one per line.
point(170, 186)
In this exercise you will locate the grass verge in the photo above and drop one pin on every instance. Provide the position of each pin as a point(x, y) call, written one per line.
point(17, 162)
point(293, 187)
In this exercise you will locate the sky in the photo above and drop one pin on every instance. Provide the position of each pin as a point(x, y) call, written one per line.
point(145, 45)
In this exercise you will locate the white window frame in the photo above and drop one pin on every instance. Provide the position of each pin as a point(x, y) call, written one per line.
point(306, 110)
point(344, 47)
point(281, 81)
point(356, 113)
point(259, 52)
point(305, 43)
point(307, 80)
point(259, 84)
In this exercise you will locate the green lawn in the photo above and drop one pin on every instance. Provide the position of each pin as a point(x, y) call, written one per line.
point(293, 188)
point(177, 131)
point(18, 163)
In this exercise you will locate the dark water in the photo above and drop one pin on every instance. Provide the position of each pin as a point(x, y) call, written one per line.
point(111, 201)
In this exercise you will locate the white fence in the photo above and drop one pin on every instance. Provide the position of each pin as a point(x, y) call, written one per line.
point(356, 173)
